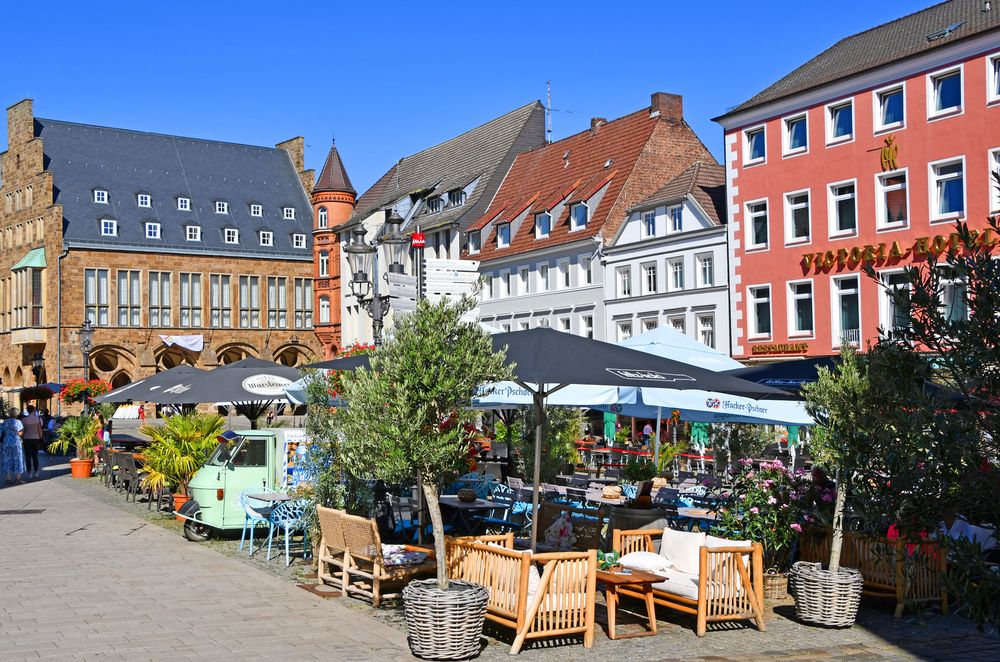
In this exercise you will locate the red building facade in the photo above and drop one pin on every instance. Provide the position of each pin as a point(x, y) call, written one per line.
point(838, 166)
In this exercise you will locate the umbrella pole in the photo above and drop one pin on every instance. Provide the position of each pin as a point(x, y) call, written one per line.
point(656, 441)
point(539, 400)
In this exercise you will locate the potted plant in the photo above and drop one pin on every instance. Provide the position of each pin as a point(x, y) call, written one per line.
point(179, 448)
point(409, 417)
point(79, 432)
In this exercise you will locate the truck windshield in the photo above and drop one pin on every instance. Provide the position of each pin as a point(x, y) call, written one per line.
point(216, 461)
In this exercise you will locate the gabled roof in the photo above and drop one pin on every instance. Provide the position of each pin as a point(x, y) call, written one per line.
point(85, 157)
point(482, 154)
point(902, 38)
point(704, 181)
point(334, 177)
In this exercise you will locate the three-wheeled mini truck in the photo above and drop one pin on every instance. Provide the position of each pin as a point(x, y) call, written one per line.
point(264, 459)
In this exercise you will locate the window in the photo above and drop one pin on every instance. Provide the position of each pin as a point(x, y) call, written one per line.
point(586, 274)
point(578, 217)
point(324, 310)
point(95, 296)
point(324, 264)
point(159, 298)
point(190, 295)
point(543, 225)
point(796, 139)
point(220, 301)
point(100, 196)
point(649, 224)
point(757, 216)
point(944, 93)
point(434, 205)
point(475, 242)
point(890, 108)
point(298, 241)
point(277, 305)
point(543, 278)
point(563, 274)
point(892, 200)
point(800, 308)
point(760, 311)
point(192, 232)
point(288, 213)
point(304, 304)
point(706, 270)
point(143, 200)
point(129, 304)
point(954, 298)
point(183, 204)
point(623, 276)
point(456, 198)
point(503, 235)
point(797, 224)
point(994, 161)
point(993, 78)
point(232, 236)
point(706, 330)
point(505, 288)
point(523, 280)
point(894, 316)
point(754, 150)
point(624, 331)
point(843, 209)
point(37, 299)
point(152, 230)
point(840, 122)
point(256, 210)
point(649, 278)
point(847, 311)
point(487, 281)
point(650, 324)
point(109, 227)
point(322, 218)
point(251, 453)
point(675, 271)
point(587, 326)
point(250, 302)
point(223, 207)
point(564, 324)
point(947, 192)
point(676, 218)
point(677, 323)
point(266, 238)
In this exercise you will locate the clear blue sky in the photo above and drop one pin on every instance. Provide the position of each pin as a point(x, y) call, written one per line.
point(389, 80)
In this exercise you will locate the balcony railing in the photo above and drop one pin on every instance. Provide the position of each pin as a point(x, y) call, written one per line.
point(850, 337)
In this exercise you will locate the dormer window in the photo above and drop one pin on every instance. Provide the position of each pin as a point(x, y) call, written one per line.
point(288, 213)
point(256, 210)
point(109, 227)
point(152, 230)
point(578, 217)
point(475, 242)
point(100, 196)
point(232, 236)
point(221, 207)
point(143, 200)
point(434, 205)
point(298, 241)
point(266, 238)
point(543, 225)
point(192, 233)
point(183, 204)
point(456, 198)
point(322, 218)
point(503, 235)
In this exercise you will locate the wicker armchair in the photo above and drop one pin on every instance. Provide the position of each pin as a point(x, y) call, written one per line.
point(331, 549)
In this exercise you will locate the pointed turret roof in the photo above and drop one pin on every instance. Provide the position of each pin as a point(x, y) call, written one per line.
point(334, 175)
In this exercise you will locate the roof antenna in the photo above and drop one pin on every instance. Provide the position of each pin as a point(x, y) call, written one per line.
point(548, 111)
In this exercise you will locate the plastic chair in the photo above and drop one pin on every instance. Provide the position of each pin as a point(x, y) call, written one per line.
point(256, 512)
point(288, 517)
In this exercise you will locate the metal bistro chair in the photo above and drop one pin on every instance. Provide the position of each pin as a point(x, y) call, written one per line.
point(256, 513)
point(288, 518)
point(502, 517)
point(106, 473)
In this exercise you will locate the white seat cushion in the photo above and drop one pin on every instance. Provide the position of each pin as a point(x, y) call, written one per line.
point(681, 548)
point(679, 583)
point(648, 561)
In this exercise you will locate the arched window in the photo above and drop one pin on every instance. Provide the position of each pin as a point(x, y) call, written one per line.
point(324, 263)
point(324, 310)
point(322, 218)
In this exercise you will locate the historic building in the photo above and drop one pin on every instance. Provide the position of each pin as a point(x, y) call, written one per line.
point(439, 191)
point(668, 262)
point(865, 155)
point(176, 249)
point(543, 242)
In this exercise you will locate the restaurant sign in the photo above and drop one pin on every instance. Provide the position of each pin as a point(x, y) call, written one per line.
point(882, 252)
point(780, 348)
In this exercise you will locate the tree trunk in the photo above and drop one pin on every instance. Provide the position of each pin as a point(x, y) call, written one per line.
point(437, 526)
point(837, 541)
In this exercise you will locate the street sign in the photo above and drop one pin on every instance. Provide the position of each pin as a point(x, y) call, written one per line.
point(418, 239)
point(401, 279)
point(452, 277)
point(452, 265)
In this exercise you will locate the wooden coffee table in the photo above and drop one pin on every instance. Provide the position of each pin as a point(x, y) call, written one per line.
point(636, 580)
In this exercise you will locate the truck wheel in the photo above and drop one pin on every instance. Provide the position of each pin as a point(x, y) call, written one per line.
point(195, 531)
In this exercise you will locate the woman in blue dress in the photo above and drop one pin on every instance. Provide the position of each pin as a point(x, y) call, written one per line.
point(12, 453)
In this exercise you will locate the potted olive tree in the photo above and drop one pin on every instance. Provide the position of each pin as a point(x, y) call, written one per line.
point(408, 417)
point(78, 432)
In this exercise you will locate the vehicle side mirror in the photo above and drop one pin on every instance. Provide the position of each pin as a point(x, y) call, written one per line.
point(224, 454)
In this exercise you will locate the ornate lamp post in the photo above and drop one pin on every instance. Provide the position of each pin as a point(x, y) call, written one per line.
point(362, 259)
point(37, 366)
point(86, 342)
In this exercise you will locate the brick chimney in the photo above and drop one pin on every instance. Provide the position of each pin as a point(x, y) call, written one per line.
point(668, 106)
point(596, 122)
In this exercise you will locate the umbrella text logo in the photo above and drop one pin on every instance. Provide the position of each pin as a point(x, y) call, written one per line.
point(649, 375)
point(177, 390)
point(268, 385)
point(713, 403)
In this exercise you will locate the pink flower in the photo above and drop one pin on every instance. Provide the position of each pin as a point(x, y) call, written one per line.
point(755, 510)
point(771, 500)
point(827, 496)
point(796, 527)
point(745, 461)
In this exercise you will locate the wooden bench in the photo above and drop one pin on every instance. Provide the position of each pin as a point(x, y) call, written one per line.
point(561, 605)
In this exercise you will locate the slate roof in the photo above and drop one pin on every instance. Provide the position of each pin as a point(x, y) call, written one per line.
point(704, 181)
point(334, 177)
point(484, 152)
point(84, 157)
point(902, 38)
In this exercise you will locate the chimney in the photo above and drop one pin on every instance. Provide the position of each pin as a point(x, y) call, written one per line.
point(668, 106)
point(596, 122)
point(296, 148)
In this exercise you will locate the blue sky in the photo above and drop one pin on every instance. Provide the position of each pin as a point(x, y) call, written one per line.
point(390, 79)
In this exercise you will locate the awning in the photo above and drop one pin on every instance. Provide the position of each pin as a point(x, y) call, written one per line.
point(35, 259)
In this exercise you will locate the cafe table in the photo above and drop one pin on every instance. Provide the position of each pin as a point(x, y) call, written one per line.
point(636, 580)
point(270, 497)
point(462, 511)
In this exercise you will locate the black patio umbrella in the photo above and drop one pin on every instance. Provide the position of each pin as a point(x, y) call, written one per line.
point(147, 389)
point(786, 375)
point(344, 363)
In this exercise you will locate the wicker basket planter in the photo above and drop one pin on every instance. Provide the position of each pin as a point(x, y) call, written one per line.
point(444, 625)
point(823, 597)
point(775, 585)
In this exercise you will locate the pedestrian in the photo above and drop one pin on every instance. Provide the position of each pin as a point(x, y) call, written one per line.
point(142, 413)
point(11, 454)
point(270, 417)
point(31, 439)
point(647, 433)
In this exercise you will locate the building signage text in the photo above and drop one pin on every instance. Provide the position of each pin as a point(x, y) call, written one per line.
point(882, 252)
point(780, 348)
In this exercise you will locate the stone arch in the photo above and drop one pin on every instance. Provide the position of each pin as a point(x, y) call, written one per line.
point(6, 377)
point(293, 355)
point(109, 360)
point(121, 378)
point(233, 352)
point(173, 356)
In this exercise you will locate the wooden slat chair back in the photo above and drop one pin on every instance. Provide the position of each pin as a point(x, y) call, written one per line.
point(730, 581)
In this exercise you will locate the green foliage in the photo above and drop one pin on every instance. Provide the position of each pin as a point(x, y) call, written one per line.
point(606, 560)
point(79, 432)
point(623, 436)
point(179, 448)
point(561, 431)
point(635, 472)
point(740, 440)
point(668, 453)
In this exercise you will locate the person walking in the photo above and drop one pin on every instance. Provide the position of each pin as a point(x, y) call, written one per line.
point(32, 437)
point(11, 453)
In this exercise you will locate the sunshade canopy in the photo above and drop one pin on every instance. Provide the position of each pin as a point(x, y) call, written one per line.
point(151, 388)
point(246, 381)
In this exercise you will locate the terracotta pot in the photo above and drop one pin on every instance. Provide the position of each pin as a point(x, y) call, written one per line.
point(81, 468)
point(179, 500)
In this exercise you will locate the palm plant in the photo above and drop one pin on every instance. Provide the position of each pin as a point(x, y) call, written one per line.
point(76, 431)
point(179, 448)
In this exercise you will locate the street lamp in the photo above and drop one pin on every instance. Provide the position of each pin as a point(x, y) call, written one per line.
point(363, 261)
point(86, 342)
point(37, 365)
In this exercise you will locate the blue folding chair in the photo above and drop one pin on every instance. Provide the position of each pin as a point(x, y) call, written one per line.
point(288, 518)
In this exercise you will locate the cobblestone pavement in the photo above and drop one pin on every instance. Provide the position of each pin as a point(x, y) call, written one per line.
point(146, 593)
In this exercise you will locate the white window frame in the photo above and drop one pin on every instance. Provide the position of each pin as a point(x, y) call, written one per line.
point(932, 196)
point(100, 196)
point(156, 230)
point(623, 281)
point(647, 224)
point(832, 140)
point(748, 234)
point(573, 227)
point(672, 322)
point(109, 227)
point(993, 79)
point(751, 300)
point(231, 235)
point(221, 207)
point(256, 210)
point(543, 277)
point(563, 278)
point(880, 210)
point(646, 281)
point(475, 242)
point(586, 275)
point(836, 324)
point(140, 198)
point(565, 324)
point(322, 218)
point(831, 210)
point(789, 224)
point(288, 213)
point(792, 297)
point(649, 324)
point(884, 311)
point(993, 161)
point(930, 80)
point(192, 236)
point(877, 125)
point(524, 280)
point(624, 330)
point(505, 243)
point(298, 240)
point(506, 282)
point(324, 264)
point(266, 238)
point(701, 327)
point(183, 204)
point(671, 265)
point(538, 233)
point(587, 326)
point(700, 260)
point(747, 161)
point(948, 288)
point(786, 135)
point(675, 216)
